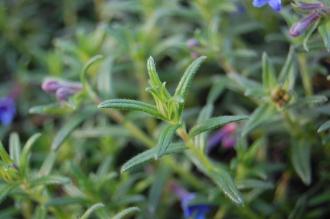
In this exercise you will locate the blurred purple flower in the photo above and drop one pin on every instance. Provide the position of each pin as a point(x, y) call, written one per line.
point(7, 110)
point(309, 6)
point(197, 210)
point(225, 136)
point(192, 45)
point(63, 90)
point(276, 5)
point(301, 26)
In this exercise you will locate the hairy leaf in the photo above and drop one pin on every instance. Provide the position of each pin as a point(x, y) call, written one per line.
point(268, 75)
point(214, 123)
point(165, 139)
point(260, 115)
point(91, 209)
point(68, 127)
point(125, 213)
point(325, 126)
point(300, 157)
point(151, 154)
point(227, 185)
point(185, 82)
point(125, 104)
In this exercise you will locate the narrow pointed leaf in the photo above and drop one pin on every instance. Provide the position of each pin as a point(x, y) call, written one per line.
point(83, 76)
point(325, 126)
point(127, 212)
point(50, 180)
point(157, 188)
point(165, 139)
point(254, 184)
point(151, 154)
point(286, 71)
point(24, 159)
point(187, 77)
point(300, 157)
point(125, 104)
point(185, 82)
point(206, 112)
point(268, 75)
point(5, 190)
point(92, 209)
point(260, 115)
point(4, 155)
point(227, 185)
point(154, 79)
point(68, 127)
point(214, 123)
point(14, 148)
point(324, 30)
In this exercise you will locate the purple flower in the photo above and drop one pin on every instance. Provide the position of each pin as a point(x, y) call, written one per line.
point(276, 5)
point(7, 110)
point(310, 6)
point(193, 44)
point(301, 26)
point(225, 136)
point(63, 90)
point(196, 211)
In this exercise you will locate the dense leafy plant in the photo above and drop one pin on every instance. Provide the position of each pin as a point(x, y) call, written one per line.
point(232, 124)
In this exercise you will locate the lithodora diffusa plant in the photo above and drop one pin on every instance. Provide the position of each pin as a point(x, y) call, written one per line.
point(169, 108)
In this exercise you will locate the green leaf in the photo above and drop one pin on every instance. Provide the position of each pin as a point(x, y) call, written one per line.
point(325, 126)
point(309, 33)
point(227, 185)
point(5, 189)
point(24, 159)
point(91, 209)
point(50, 109)
point(83, 76)
point(165, 139)
point(127, 212)
point(48, 163)
point(151, 154)
point(65, 201)
point(185, 82)
point(214, 123)
point(153, 75)
point(14, 148)
point(157, 188)
point(40, 212)
point(125, 104)
point(324, 30)
point(254, 184)
point(250, 87)
point(300, 158)
point(287, 67)
point(260, 115)
point(50, 180)
point(268, 76)
point(4, 155)
point(68, 127)
point(206, 112)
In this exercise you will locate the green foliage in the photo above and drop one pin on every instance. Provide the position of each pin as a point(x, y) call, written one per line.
point(246, 137)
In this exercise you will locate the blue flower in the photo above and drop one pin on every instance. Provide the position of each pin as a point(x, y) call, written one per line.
point(7, 110)
point(190, 210)
point(275, 4)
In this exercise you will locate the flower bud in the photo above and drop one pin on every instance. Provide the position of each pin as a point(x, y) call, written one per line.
point(50, 85)
point(64, 93)
point(301, 26)
point(310, 6)
point(192, 43)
